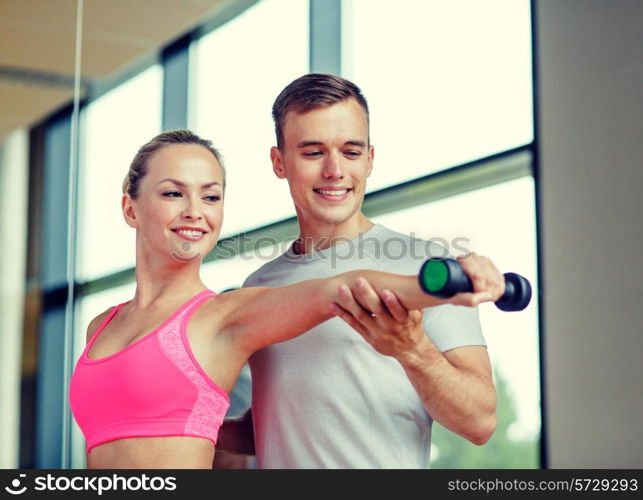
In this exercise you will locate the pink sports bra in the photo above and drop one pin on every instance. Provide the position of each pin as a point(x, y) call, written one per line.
point(153, 387)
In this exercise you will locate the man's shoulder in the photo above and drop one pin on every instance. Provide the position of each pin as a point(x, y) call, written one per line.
point(393, 247)
point(256, 278)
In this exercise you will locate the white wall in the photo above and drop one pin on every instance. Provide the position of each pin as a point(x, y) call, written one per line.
point(591, 167)
point(13, 228)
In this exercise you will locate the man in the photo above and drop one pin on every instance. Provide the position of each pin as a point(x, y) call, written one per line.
point(333, 398)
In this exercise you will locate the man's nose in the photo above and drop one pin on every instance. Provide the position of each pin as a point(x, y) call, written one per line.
point(332, 167)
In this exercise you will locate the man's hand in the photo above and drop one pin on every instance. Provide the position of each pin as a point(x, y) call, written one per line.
point(456, 387)
point(395, 331)
point(382, 321)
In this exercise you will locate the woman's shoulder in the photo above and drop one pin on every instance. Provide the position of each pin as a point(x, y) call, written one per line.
point(218, 310)
point(96, 322)
point(218, 304)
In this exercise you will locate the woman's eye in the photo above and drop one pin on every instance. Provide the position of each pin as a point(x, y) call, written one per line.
point(172, 194)
point(213, 198)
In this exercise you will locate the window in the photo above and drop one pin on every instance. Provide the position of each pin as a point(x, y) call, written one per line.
point(115, 126)
point(240, 69)
point(446, 82)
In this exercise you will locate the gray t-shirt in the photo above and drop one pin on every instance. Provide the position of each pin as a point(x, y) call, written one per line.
point(327, 399)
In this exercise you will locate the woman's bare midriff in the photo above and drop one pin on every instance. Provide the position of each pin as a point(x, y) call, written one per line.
point(174, 452)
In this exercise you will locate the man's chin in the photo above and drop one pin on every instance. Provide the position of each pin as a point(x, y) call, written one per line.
point(334, 218)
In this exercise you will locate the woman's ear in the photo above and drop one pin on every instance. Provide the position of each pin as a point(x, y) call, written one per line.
point(129, 211)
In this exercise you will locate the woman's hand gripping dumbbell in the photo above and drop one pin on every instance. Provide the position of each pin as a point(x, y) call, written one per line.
point(445, 277)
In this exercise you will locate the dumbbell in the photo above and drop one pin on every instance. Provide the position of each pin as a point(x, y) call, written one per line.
point(444, 278)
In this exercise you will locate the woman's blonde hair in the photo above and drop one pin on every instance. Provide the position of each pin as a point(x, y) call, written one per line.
point(138, 167)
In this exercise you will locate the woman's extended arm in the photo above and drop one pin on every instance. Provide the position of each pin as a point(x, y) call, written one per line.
point(265, 316)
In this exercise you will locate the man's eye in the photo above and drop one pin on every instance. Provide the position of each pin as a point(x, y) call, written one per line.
point(353, 153)
point(172, 194)
point(312, 154)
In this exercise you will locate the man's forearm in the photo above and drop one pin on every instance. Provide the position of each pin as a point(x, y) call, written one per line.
point(460, 399)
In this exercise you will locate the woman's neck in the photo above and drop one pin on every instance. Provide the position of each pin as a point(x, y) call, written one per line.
point(156, 280)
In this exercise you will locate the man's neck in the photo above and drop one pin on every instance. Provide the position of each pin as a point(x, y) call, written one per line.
point(318, 236)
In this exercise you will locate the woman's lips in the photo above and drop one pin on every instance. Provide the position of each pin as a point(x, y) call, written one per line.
point(189, 234)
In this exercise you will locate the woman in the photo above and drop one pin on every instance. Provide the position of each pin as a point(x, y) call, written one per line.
point(151, 388)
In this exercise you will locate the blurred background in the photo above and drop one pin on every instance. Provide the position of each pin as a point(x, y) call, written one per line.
point(506, 127)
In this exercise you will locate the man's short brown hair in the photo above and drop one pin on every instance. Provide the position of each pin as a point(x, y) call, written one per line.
point(311, 91)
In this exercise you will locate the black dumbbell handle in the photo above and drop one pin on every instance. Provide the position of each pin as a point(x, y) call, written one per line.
point(444, 278)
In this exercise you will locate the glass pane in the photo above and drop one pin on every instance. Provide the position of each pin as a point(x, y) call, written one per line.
point(446, 82)
point(115, 126)
point(240, 69)
point(499, 222)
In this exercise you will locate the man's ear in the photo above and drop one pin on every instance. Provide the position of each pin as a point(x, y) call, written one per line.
point(277, 162)
point(371, 157)
point(129, 211)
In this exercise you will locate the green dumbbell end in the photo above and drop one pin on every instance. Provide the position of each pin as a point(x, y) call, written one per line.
point(435, 275)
